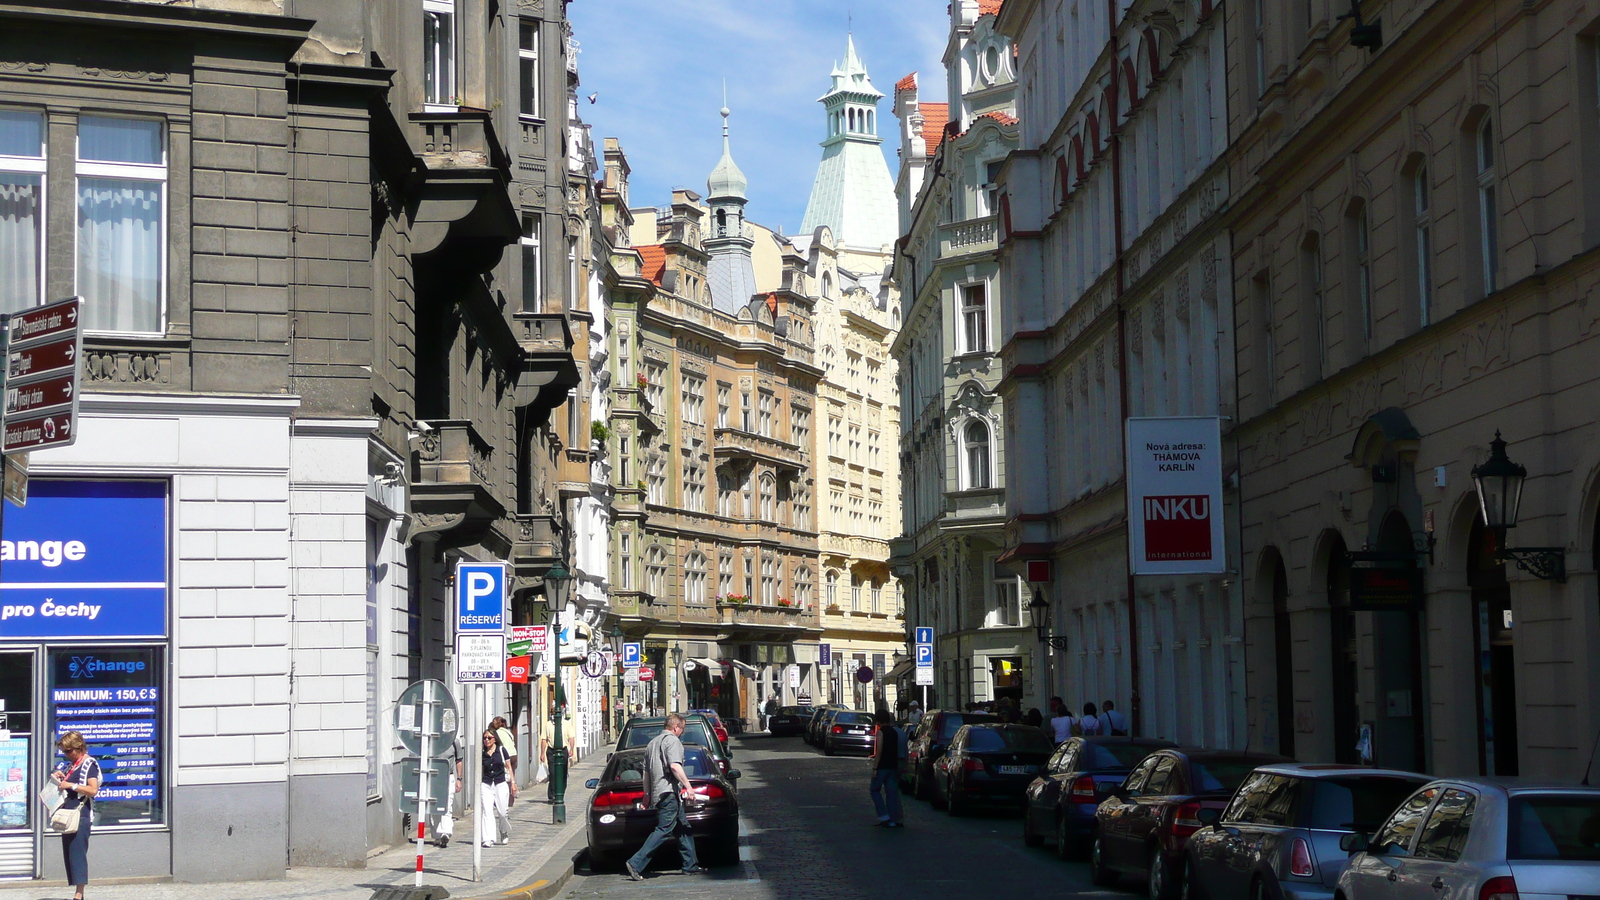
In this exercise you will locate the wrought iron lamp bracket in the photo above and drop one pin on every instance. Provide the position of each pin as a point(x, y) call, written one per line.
point(1545, 563)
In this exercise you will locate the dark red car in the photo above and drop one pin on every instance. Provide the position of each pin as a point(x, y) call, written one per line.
point(1141, 828)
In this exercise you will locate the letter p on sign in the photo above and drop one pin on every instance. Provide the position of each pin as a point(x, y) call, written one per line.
point(479, 584)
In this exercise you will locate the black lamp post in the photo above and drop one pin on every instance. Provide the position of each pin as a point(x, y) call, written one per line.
point(556, 583)
point(1039, 609)
point(1499, 484)
point(618, 636)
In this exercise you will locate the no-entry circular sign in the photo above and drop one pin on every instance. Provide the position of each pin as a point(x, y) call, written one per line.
point(864, 675)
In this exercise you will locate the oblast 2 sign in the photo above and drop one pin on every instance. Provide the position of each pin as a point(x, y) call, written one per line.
point(1175, 496)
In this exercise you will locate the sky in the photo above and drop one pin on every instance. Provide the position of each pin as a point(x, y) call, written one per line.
point(658, 67)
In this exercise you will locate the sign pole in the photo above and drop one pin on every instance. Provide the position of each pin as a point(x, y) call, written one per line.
point(424, 757)
point(477, 838)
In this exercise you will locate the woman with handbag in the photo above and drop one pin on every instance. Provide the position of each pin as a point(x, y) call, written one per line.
point(496, 792)
point(78, 776)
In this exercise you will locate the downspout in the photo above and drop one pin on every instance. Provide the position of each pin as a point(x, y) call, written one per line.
point(1135, 702)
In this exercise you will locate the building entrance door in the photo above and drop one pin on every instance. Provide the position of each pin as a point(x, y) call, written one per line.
point(1496, 658)
point(20, 738)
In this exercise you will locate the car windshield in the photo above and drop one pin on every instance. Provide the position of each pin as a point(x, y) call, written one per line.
point(693, 733)
point(1117, 756)
point(989, 740)
point(1554, 826)
point(1356, 804)
point(794, 710)
point(697, 763)
point(851, 718)
point(953, 722)
point(1220, 775)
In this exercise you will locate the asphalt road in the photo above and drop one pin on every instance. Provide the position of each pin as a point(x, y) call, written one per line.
point(809, 832)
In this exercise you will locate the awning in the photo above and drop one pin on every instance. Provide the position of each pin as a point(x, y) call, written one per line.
point(746, 668)
point(902, 669)
point(712, 666)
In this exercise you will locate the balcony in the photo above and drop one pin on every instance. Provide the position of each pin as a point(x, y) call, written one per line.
point(548, 369)
point(538, 545)
point(754, 621)
point(465, 205)
point(972, 236)
point(740, 445)
point(450, 495)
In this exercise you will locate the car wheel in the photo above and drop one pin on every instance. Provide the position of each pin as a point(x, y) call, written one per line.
point(1029, 837)
point(1160, 883)
point(827, 748)
point(953, 803)
point(1064, 848)
point(1258, 890)
point(938, 797)
point(1189, 889)
point(1100, 873)
point(597, 861)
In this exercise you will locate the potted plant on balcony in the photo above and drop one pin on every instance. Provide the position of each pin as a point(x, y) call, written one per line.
point(833, 609)
point(641, 381)
point(785, 602)
point(736, 599)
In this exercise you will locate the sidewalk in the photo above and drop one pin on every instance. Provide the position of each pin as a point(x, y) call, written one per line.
point(534, 854)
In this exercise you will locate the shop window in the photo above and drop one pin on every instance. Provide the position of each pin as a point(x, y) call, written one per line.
point(122, 185)
point(115, 698)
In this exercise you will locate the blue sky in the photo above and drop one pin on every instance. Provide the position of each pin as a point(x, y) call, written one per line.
point(659, 66)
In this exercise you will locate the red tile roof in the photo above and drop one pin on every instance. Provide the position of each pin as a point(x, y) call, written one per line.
point(655, 261)
point(989, 7)
point(934, 118)
point(906, 84)
point(998, 116)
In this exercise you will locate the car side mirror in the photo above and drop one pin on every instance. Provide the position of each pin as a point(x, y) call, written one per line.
point(592, 783)
point(1209, 816)
point(1354, 843)
point(608, 756)
point(733, 774)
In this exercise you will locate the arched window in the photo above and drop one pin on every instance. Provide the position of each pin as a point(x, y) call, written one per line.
point(722, 223)
point(975, 443)
point(1422, 242)
point(827, 284)
point(852, 114)
point(1488, 245)
point(830, 593)
point(694, 579)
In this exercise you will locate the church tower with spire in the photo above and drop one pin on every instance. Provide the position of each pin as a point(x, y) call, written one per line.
point(853, 194)
point(731, 273)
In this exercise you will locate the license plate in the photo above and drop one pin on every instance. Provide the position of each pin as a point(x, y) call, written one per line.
point(1016, 770)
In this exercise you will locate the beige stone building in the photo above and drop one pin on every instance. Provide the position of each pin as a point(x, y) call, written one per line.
point(1415, 267)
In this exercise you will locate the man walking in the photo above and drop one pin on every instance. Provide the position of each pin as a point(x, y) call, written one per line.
point(886, 747)
point(664, 777)
point(1111, 721)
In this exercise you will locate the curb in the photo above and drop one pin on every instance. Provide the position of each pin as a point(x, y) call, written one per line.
point(551, 877)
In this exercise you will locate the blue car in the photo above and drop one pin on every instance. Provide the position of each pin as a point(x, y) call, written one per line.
point(1059, 805)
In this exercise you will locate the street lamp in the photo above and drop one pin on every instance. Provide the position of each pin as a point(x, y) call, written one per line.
point(1499, 484)
point(556, 582)
point(682, 683)
point(1039, 609)
point(619, 705)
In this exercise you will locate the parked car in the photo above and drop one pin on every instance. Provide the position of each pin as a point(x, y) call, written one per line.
point(989, 764)
point(789, 721)
point(1142, 827)
point(619, 821)
point(1471, 839)
point(928, 745)
point(1279, 835)
point(848, 731)
point(716, 723)
point(818, 719)
point(696, 730)
point(1060, 803)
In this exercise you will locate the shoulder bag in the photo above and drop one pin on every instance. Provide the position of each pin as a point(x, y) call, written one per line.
point(64, 820)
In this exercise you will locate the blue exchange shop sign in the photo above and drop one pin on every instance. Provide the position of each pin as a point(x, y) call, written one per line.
point(85, 559)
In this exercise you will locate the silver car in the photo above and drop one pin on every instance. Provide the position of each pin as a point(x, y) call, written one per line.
point(1466, 839)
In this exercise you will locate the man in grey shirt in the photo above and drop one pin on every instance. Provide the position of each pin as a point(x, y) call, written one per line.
point(663, 776)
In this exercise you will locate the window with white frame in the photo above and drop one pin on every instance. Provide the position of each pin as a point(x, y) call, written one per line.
point(122, 185)
point(830, 590)
point(1422, 218)
point(769, 498)
point(802, 587)
point(877, 596)
point(439, 52)
point(654, 375)
point(834, 426)
point(532, 268)
point(1489, 245)
point(22, 185)
point(625, 566)
point(974, 318)
point(528, 63)
point(991, 187)
point(574, 275)
point(975, 447)
point(723, 391)
point(694, 400)
point(1006, 611)
point(855, 593)
point(802, 507)
point(655, 571)
point(1363, 269)
point(724, 575)
point(694, 484)
point(769, 580)
point(764, 421)
point(749, 576)
point(694, 579)
point(747, 507)
point(655, 480)
point(800, 427)
point(747, 415)
point(727, 490)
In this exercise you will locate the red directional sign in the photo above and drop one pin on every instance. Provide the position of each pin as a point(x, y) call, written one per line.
point(45, 322)
point(39, 432)
point(42, 394)
point(31, 362)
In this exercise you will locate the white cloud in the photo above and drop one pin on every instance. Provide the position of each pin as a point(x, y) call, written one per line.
point(659, 68)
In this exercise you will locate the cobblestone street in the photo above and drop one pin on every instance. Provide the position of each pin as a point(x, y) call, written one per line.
point(808, 823)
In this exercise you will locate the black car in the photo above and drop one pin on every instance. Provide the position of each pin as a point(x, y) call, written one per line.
point(619, 821)
point(696, 730)
point(989, 764)
point(928, 744)
point(789, 721)
point(818, 718)
point(1142, 827)
point(1061, 801)
point(848, 731)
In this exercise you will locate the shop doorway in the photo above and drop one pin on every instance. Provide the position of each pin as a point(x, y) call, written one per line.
point(1007, 674)
point(1397, 653)
point(1344, 659)
point(1283, 657)
point(18, 764)
point(1493, 631)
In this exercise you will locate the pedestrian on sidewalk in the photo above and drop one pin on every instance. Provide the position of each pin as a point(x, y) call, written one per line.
point(445, 827)
point(1061, 722)
point(508, 742)
point(1111, 721)
point(569, 738)
point(1090, 723)
point(77, 776)
point(888, 747)
point(495, 793)
point(664, 778)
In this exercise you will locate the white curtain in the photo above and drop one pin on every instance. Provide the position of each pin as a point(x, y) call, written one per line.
point(119, 254)
point(19, 241)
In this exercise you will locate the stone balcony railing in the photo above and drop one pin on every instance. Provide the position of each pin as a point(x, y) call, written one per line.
point(735, 443)
point(757, 614)
point(971, 236)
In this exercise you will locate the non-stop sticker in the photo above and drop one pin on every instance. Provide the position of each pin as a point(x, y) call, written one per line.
point(50, 609)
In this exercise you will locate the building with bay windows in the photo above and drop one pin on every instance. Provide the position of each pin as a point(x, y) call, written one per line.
point(953, 422)
point(313, 381)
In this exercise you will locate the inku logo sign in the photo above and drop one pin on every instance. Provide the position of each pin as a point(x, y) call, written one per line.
point(85, 559)
point(1175, 496)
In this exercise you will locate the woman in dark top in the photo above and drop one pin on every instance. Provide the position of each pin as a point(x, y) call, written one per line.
point(79, 776)
point(494, 795)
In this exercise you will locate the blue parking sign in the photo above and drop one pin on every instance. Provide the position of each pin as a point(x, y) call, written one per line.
point(924, 654)
point(480, 597)
point(630, 656)
point(924, 635)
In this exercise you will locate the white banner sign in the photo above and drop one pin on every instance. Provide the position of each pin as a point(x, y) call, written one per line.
point(1175, 496)
point(480, 658)
point(925, 675)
